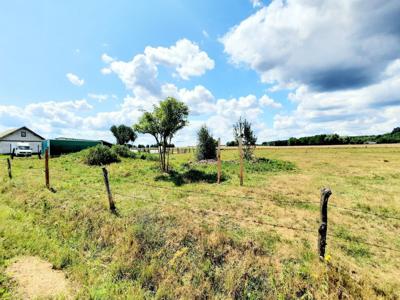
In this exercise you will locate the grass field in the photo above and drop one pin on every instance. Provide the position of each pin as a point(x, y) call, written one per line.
point(183, 236)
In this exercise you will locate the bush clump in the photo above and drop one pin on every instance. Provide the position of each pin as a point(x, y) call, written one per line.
point(100, 155)
point(123, 151)
point(206, 148)
point(148, 156)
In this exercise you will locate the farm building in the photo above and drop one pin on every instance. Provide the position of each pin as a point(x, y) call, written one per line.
point(64, 145)
point(10, 138)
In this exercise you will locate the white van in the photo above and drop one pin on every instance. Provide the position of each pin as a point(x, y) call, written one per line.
point(23, 149)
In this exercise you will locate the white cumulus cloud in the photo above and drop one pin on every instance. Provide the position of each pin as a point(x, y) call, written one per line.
point(328, 45)
point(340, 60)
point(185, 57)
point(74, 79)
point(268, 101)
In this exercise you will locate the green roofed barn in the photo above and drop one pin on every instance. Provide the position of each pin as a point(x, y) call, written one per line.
point(64, 145)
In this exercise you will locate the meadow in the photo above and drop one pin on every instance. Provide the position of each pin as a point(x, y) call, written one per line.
point(181, 235)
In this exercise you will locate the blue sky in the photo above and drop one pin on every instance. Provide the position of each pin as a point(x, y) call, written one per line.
point(74, 68)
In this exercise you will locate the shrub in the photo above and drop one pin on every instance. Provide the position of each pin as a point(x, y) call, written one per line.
point(232, 143)
point(243, 129)
point(206, 148)
point(100, 155)
point(123, 151)
point(148, 156)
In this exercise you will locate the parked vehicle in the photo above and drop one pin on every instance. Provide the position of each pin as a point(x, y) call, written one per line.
point(23, 149)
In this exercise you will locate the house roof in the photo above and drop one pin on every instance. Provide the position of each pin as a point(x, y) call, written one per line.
point(11, 131)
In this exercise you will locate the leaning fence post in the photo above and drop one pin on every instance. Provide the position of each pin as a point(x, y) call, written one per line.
point(323, 228)
point(219, 160)
point(46, 168)
point(241, 159)
point(107, 184)
point(9, 168)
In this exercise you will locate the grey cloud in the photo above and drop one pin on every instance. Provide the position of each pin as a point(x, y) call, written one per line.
point(340, 78)
point(327, 45)
point(385, 103)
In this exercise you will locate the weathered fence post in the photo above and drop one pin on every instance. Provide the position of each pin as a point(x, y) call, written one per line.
point(323, 228)
point(107, 184)
point(241, 159)
point(219, 160)
point(9, 168)
point(38, 152)
point(46, 168)
point(12, 154)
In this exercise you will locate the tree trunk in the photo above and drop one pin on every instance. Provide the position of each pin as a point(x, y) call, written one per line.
point(168, 154)
point(159, 150)
point(165, 168)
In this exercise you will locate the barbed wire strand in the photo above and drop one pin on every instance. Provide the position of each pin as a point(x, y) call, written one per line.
point(275, 225)
point(247, 197)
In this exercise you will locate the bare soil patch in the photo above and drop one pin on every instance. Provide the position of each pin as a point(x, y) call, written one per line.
point(37, 279)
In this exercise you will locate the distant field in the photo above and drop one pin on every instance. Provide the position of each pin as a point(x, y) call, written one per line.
point(329, 146)
point(183, 236)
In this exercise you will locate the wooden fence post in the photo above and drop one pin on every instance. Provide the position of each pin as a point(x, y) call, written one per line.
point(38, 153)
point(9, 168)
point(46, 168)
point(219, 160)
point(323, 228)
point(107, 184)
point(241, 159)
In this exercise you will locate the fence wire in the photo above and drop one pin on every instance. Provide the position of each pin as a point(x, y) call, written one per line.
point(270, 224)
point(39, 170)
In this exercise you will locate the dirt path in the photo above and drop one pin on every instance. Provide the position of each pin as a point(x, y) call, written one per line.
point(36, 279)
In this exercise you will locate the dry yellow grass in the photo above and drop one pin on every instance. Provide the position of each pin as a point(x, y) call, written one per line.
point(229, 219)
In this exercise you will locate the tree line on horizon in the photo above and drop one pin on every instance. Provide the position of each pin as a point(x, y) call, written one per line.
point(335, 139)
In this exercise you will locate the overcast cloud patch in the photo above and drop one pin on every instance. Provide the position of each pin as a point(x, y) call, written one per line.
point(327, 45)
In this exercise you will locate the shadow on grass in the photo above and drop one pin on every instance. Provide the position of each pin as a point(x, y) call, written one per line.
point(189, 176)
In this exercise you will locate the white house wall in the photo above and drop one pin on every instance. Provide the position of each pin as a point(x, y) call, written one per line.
point(5, 146)
point(15, 138)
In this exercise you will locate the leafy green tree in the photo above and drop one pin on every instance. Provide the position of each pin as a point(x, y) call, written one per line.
point(163, 123)
point(243, 129)
point(232, 143)
point(293, 141)
point(396, 130)
point(124, 134)
point(207, 145)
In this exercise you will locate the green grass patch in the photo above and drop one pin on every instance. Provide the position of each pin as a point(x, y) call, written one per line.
point(188, 242)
